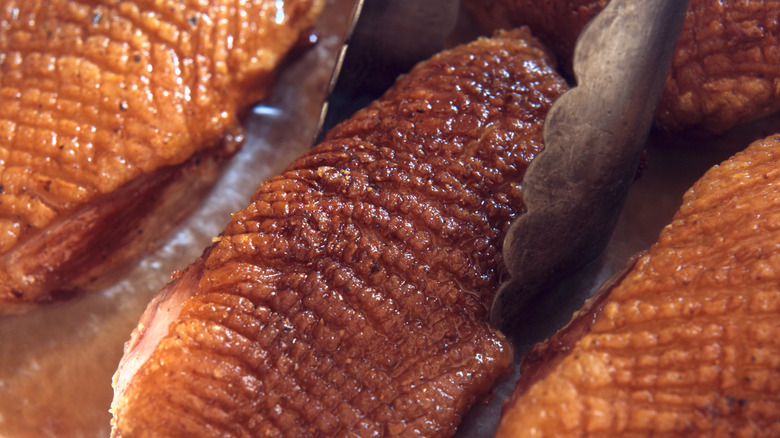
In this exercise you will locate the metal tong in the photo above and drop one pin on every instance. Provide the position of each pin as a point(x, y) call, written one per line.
point(594, 136)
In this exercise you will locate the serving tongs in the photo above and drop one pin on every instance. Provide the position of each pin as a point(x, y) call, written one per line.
point(594, 136)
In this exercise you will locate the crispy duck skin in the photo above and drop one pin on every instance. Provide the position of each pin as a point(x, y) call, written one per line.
point(687, 342)
point(350, 297)
point(109, 109)
point(726, 70)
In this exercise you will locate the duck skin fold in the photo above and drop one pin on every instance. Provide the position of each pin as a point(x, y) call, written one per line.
point(726, 70)
point(686, 343)
point(350, 297)
point(114, 119)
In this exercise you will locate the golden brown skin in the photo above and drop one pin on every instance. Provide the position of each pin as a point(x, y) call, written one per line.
point(726, 70)
point(350, 297)
point(106, 104)
point(688, 342)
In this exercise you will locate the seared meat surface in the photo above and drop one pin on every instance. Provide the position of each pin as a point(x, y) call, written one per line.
point(108, 110)
point(726, 69)
point(686, 343)
point(350, 297)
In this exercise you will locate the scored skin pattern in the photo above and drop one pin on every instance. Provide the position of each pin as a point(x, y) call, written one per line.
point(726, 70)
point(350, 297)
point(97, 94)
point(687, 343)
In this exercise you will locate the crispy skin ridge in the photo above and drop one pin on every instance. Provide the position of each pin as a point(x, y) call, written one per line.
point(349, 297)
point(726, 70)
point(687, 343)
point(97, 96)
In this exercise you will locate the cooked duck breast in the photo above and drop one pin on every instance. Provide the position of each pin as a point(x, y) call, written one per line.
point(350, 297)
point(109, 110)
point(686, 342)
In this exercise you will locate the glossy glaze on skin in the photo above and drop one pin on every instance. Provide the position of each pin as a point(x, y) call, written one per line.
point(726, 71)
point(101, 101)
point(350, 297)
point(686, 344)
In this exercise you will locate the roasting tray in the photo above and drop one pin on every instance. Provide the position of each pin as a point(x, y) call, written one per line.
point(56, 363)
